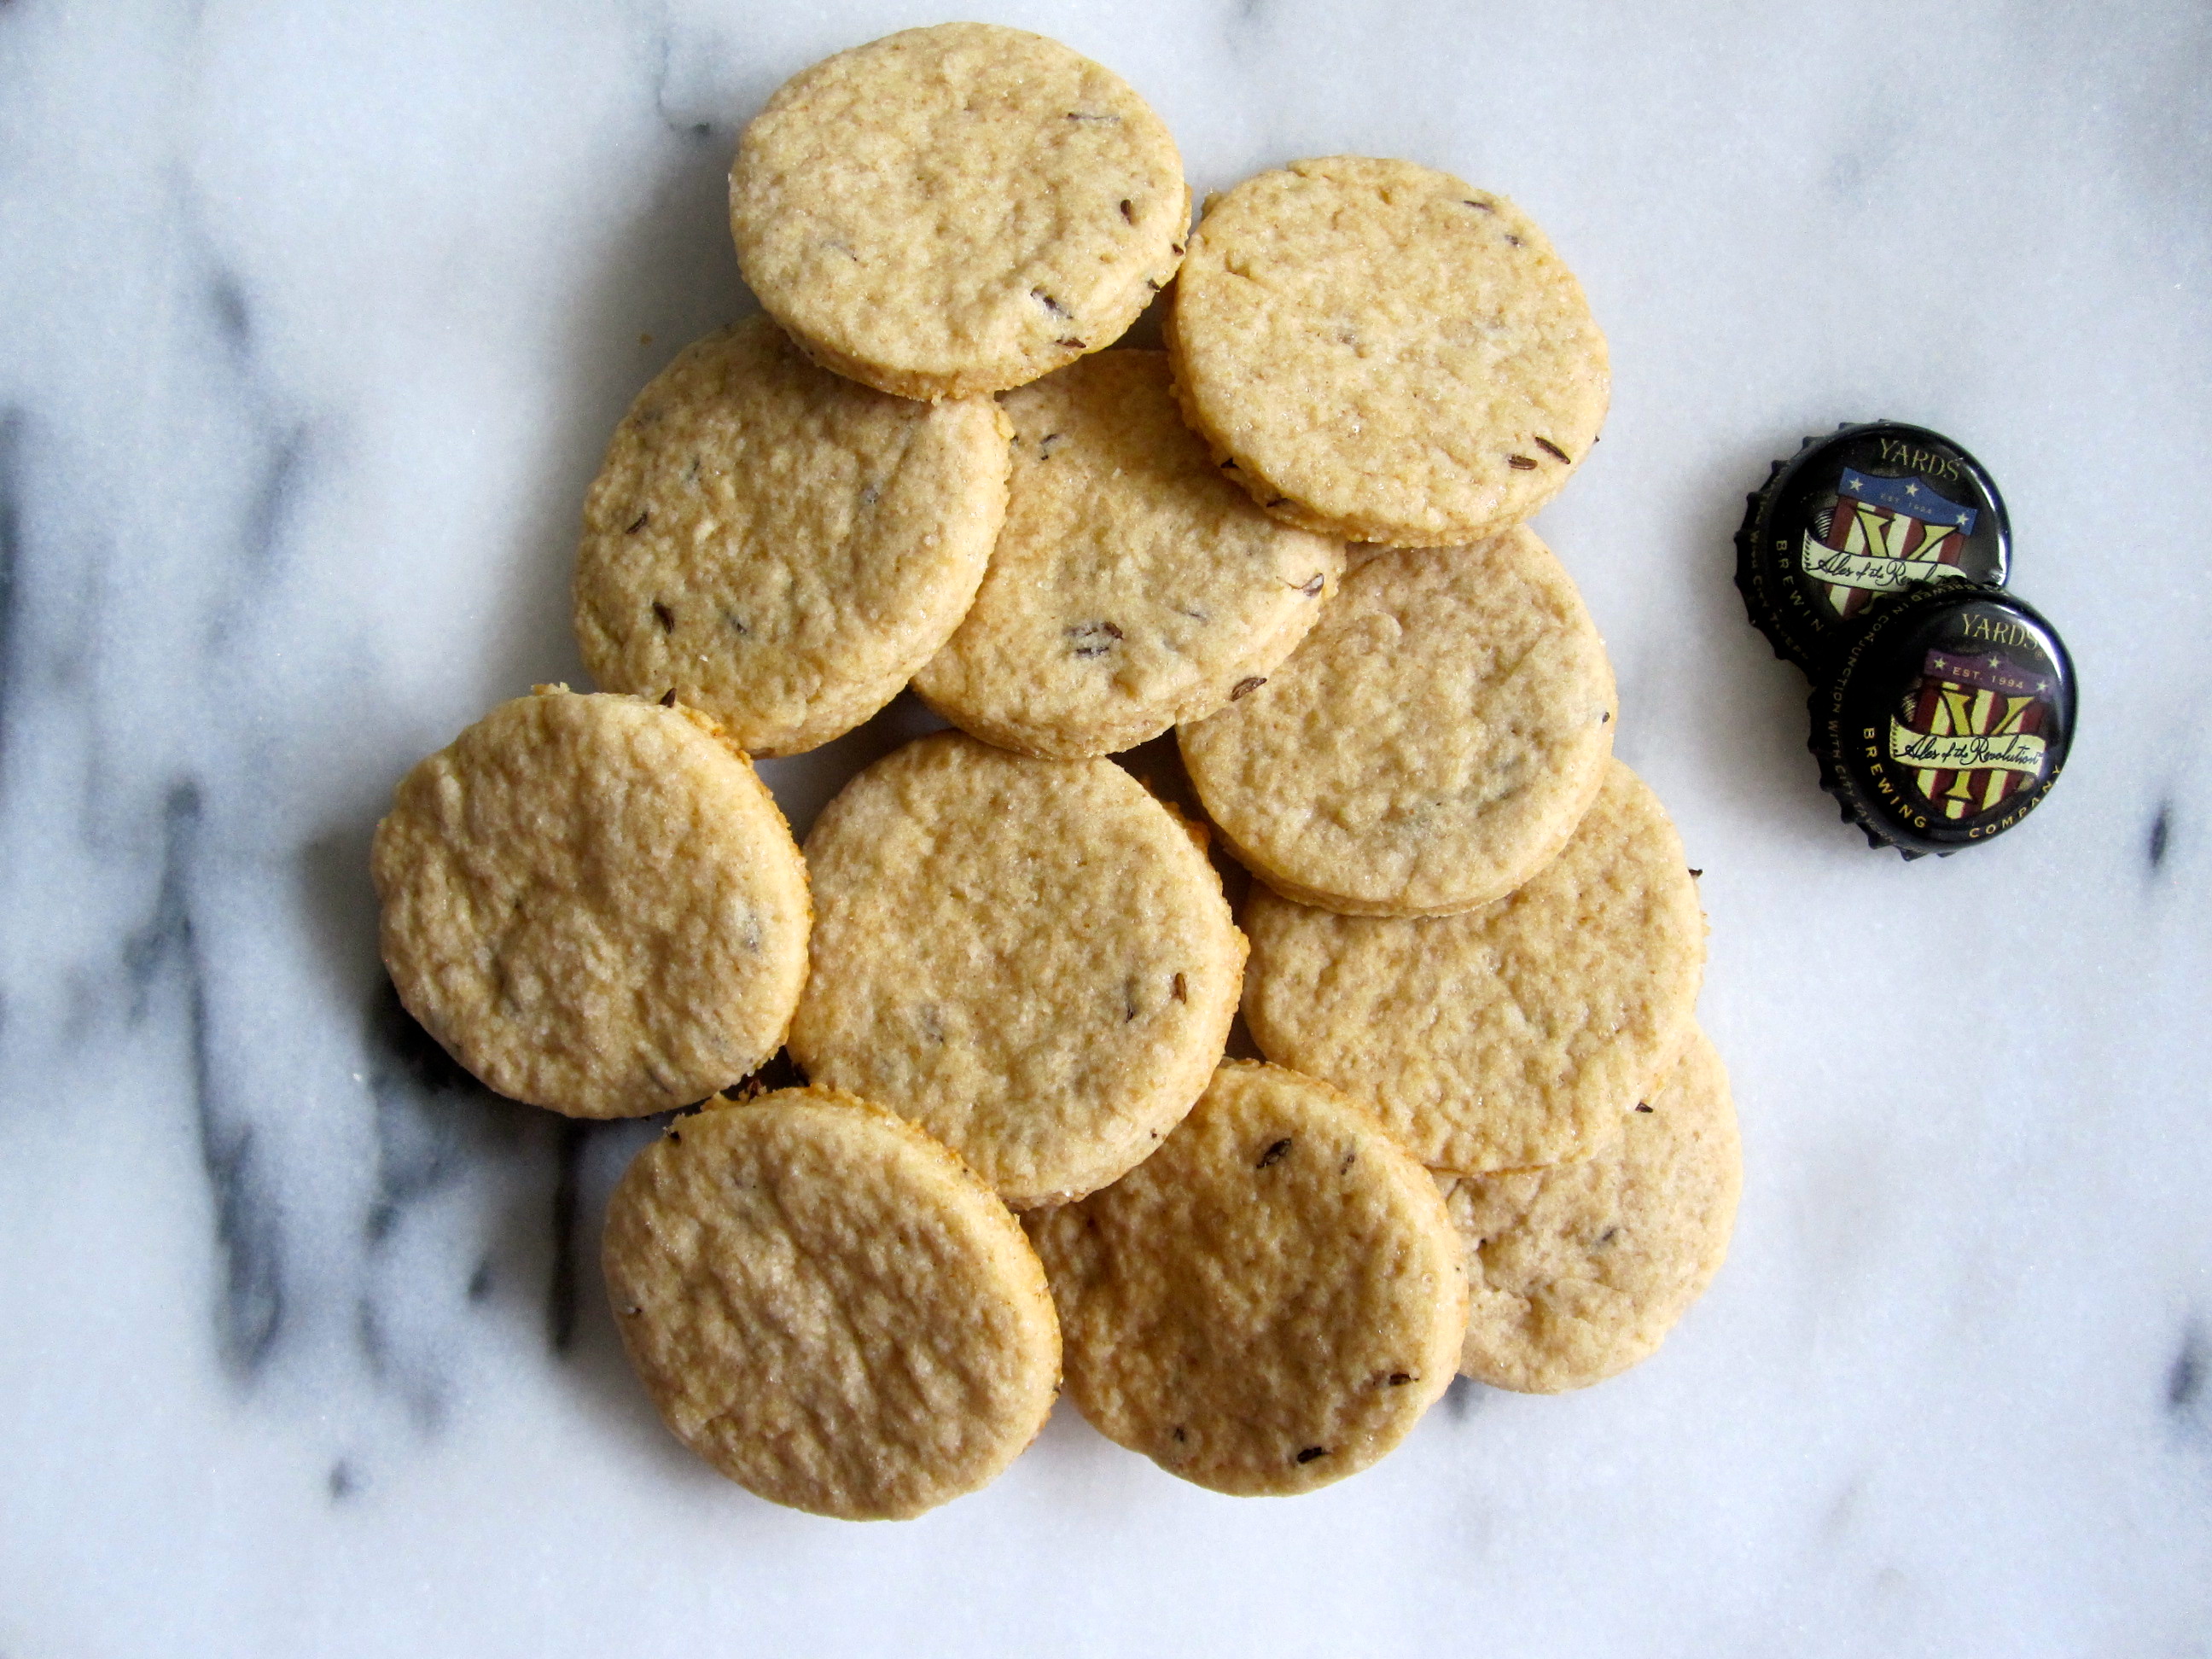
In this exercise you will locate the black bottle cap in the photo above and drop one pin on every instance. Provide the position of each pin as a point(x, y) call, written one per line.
point(1851, 520)
point(1946, 721)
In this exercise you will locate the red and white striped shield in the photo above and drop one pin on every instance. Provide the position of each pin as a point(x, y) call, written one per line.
point(1973, 732)
point(1884, 534)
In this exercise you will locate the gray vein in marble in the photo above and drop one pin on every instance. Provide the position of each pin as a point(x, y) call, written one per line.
point(418, 1149)
point(11, 545)
point(281, 467)
point(708, 73)
point(227, 301)
point(421, 1390)
point(418, 1154)
point(1463, 1398)
point(663, 101)
point(249, 1316)
point(2184, 1378)
point(275, 442)
point(280, 443)
point(436, 1128)
point(2161, 829)
point(344, 1481)
point(560, 1295)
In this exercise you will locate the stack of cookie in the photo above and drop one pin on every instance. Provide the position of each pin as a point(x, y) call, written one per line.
point(1488, 1137)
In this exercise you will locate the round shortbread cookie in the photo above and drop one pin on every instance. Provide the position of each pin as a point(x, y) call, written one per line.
point(1432, 744)
point(957, 209)
point(1132, 586)
point(594, 904)
point(780, 545)
point(1505, 1038)
point(1386, 353)
point(1032, 959)
point(1269, 1302)
point(1579, 1272)
point(828, 1308)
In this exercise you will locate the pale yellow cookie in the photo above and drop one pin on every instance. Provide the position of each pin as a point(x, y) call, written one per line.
point(1508, 1036)
point(1386, 353)
point(594, 904)
point(1269, 1302)
point(780, 546)
point(1030, 958)
point(1579, 1271)
point(828, 1308)
point(1432, 744)
point(957, 209)
point(1132, 587)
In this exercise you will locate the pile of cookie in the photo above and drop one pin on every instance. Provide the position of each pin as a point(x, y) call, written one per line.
point(1486, 1136)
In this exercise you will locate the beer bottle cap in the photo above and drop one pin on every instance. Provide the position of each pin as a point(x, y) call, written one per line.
point(1854, 518)
point(1947, 719)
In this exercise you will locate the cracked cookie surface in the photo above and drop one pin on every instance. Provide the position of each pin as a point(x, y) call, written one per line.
point(957, 209)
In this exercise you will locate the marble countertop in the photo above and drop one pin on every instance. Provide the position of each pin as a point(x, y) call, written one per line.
point(314, 319)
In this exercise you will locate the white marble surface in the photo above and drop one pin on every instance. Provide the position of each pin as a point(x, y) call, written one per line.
point(313, 318)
